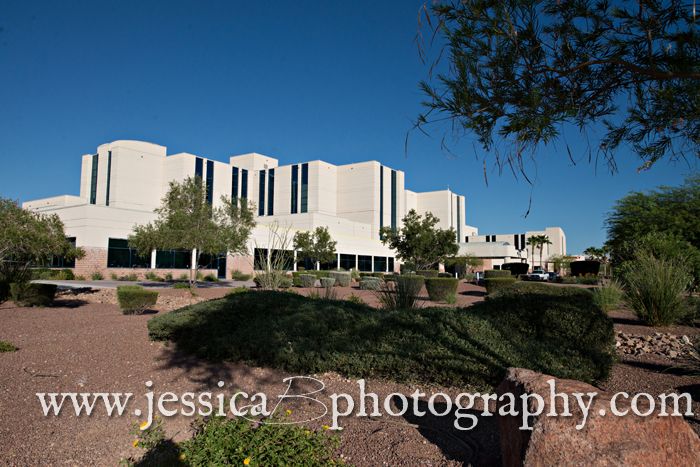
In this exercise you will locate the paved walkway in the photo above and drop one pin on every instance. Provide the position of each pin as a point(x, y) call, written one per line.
point(112, 284)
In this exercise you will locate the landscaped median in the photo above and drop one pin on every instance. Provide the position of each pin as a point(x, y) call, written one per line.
point(557, 331)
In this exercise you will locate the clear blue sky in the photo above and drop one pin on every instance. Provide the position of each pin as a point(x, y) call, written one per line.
point(301, 80)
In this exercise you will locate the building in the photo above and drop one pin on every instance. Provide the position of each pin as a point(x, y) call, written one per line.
point(124, 181)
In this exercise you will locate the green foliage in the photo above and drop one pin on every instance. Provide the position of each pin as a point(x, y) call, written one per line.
point(496, 284)
point(187, 221)
point(609, 296)
point(655, 289)
point(135, 299)
point(327, 281)
point(357, 300)
point(558, 331)
point(307, 280)
point(97, 276)
point(237, 290)
point(317, 246)
point(522, 70)
point(442, 289)
point(181, 285)
point(370, 283)
point(53, 274)
point(152, 276)
point(7, 347)
point(419, 242)
point(490, 273)
point(168, 276)
point(272, 280)
point(29, 294)
point(427, 273)
point(240, 276)
point(342, 278)
point(463, 264)
point(403, 293)
point(211, 278)
point(131, 277)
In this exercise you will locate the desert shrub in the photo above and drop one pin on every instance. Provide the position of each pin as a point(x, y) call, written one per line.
point(342, 278)
point(285, 283)
point(352, 298)
point(237, 290)
point(327, 282)
point(582, 268)
point(97, 276)
point(442, 289)
point(272, 280)
point(558, 331)
point(307, 280)
point(469, 276)
point(516, 268)
point(427, 273)
point(131, 277)
point(181, 285)
point(370, 283)
point(28, 294)
point(495, 284)
point(152, 276)
point(168, 276)
point(608, 297)
point(401, 294)
point(114, 277)
point(79, 277)
point(211, 278)
point(237, 275)
point(355, 274)
point(692, 310)
point(53, 274)
point(134, 299)
point(489, 273)
point(7, 347)
point(184, 277)
point(655, 289)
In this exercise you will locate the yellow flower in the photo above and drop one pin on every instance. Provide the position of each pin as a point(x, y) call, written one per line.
point(288, 412)
point(246, 461)
point(307, 432)
point(326, 427)
point(182, 456)
point(143, 425)
point(135, 443)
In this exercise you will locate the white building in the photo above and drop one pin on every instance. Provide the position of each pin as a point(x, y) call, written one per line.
point(124, 181)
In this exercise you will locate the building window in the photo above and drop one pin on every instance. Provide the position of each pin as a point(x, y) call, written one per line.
point(198, 167)
point(93, 179)
point(459, 217)
point(522, 241)
point(380, 263)
point(61, 261)
point(466, 239)
point(234, 183)
point(304, 187)
point(260, 259)
point(109, 175)
point(210, 182)
point(347, 262)
point(261, 194)
point(295, 189)
point(270, 192)
point(516, 241)
point(391, 264)
point(282, 259)
point(120, 255)
point(173, 259)
point(364, 263)
point(244, 184)
point(493, 238)
point(381, 198)
point(393, 200)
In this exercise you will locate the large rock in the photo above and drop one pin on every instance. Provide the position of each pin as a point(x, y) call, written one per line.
point(604, 440)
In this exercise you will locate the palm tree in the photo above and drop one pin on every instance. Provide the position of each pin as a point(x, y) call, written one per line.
point(542, 240)
point(532, 242)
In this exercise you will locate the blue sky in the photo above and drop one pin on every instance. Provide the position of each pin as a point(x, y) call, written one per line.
point(302, 80)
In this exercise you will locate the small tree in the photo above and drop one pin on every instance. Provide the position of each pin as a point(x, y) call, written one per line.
point(316, 246)
point(187, 221)
point(561, 262)
point(419, 242)
point(466, 263)
point(278, 259)
point(29, 239)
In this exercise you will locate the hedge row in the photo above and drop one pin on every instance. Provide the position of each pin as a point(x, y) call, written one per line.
point(442, 289)
point(135, 299)
point(28, 294)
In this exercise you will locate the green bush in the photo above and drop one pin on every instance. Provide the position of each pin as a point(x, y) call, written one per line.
point(168, 276)
point(7, 347)
point(272, 280)
point(53, 274)
point(370, 283)
point(211, 278)
point(236, 290)
point(131, 277)
point(97, 276)
point(307, 280)
point(28, 294)
point(494, 284)
point(135, 299)
point(152, 276)
point(490, 273)
point(401, 294)
point(237, 275)
point(608, 297)
point(558, 331)
point(327, 281)
point(285, 283)
point(445, 274)
point(427, 273)
point(181, 285)
point(655, 289)
point(442, 289)
point(342, 278)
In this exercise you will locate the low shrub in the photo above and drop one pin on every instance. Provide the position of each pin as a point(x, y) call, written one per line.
point(237, 290)
point(352, 298)
point(342, 278)
point(134, 299)
point(237, 275)
point(79, 277)
point(445, 274)
point(327, 282)
point(490, 273)
point(587, 279)
point(184, 277)
point(152, 276)
point(355, 274)
point(97, 276)
point(272, 280)
point(427, 272)
point(495, 284)
point(28, 294)
point(211, 278)
point(114, 277)
point(307, 280)
point(7, 347)
point(655, 289)
point(370, 283)
point(402, 294)
point(169, 276)
point(608, 297)
point(442, 289)
point(285, 282)
point(131, 277)
point(53, 274)
point(181, 285)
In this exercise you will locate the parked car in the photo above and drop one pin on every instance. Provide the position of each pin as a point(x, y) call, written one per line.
point(553, 276)
point(537, 275)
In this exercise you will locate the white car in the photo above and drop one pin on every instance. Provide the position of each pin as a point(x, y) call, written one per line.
point(538, 275)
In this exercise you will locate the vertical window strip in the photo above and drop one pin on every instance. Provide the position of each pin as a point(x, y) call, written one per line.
point(394, 212)
point(109, 175)
point(459, 217)
point(234, 183)
point(381, 198)
point(210, 182)
point(244, 184)
point(295, 189)
point(261, 194)
point(270, 192)
point(93, 179)
point(198, 167)
point(304, 187)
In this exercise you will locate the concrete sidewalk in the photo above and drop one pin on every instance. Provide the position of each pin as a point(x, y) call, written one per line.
point(112, 284)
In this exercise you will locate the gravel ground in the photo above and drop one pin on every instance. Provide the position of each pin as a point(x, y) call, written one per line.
point(84, 344)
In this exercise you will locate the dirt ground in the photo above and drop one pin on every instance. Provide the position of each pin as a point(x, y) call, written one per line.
point(83, 346)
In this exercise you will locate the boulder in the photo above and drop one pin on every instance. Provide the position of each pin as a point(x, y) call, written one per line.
point(604, 440)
